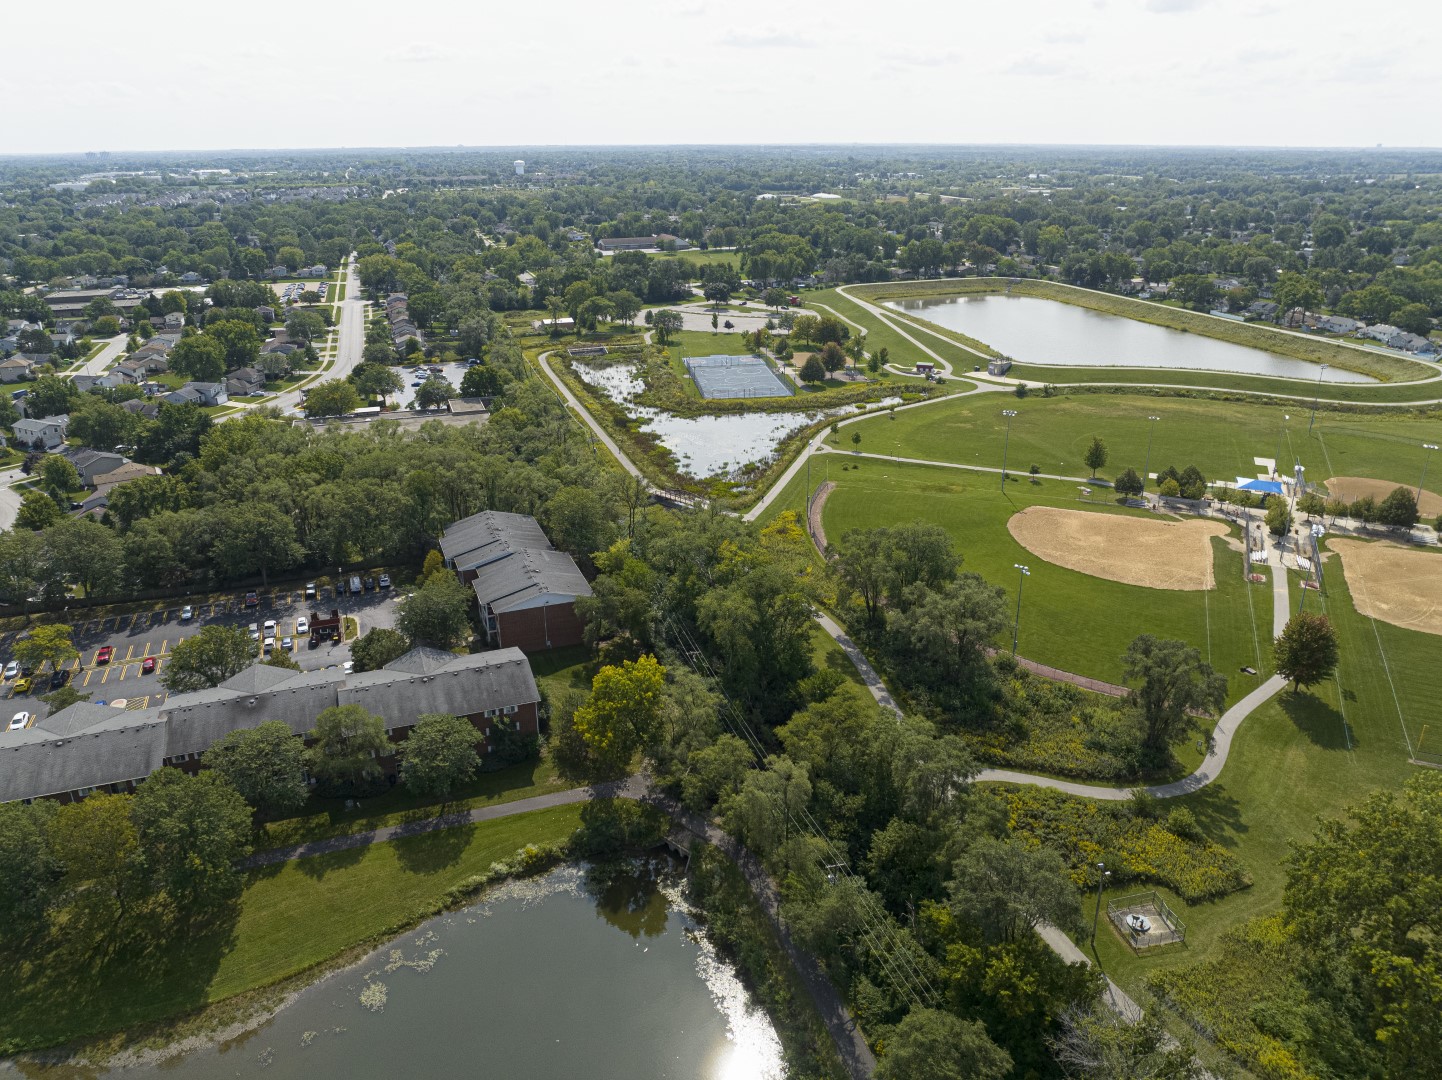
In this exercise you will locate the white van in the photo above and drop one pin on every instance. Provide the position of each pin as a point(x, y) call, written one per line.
point(355, 585)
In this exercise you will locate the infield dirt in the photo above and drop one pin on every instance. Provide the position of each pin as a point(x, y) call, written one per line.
point(1353, 488)
point(1135, 551)
point(1398, 585)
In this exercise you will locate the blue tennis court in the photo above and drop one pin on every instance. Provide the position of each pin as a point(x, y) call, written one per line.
point(735, 377)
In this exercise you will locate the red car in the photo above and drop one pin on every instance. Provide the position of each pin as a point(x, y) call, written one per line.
point(147, 665)
point(104, 654)
point(251, 599)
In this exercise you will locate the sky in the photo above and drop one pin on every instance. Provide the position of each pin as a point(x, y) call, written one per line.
point(163, 75)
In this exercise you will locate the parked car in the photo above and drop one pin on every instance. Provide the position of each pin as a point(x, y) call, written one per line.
point(287, 643)
point(348, 666)
point(385, 581)
point(251, 599)
point(269, 646)
point(310, 590)
point(12, 669)
point(370, 584)
point(302, 626)
point(255, 631)
point(22, 684)
point(59, 679)
point(355, 585)
point(104, 653)
point(270, 628)
point(20, 721)
point(187, 613)
point(147, 666)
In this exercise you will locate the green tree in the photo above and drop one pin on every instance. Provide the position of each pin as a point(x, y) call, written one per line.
point(97, 843)
point(1097, 1044)
point(949, 628)
point(59, 476)
point(346, 745)
point(239, 340)
point(439, 755)
point(63, 698)
point(302, 325)
point(1096, 455)
point(806, 328)
point(625, 306)
point(377, 648)
point(1129, 482)
point(833, 357)
point(1306, 651)
point(1173, 685)
point(1007, 889)
point(102, 424)
point(1399, 509)
point(375, 381)
point(481, 380)
point(623, 714)
point(200, 357)
point(208, 658)
point(335, 397)
point(50, 642)
point(666, 324)
point(30, 871)
point(265, 764)
point(813, 371)
point(193, 832)
point(438, 613)
point(433, 393)
point(579, 521)
point(37, 511)
point(1279, 517)
point(930, 1044)
point(50, 395)
point(1361, 899)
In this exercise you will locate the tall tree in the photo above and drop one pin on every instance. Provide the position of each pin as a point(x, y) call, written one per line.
point(200, 357)
point(45, 643)
point(265, 764)
point(345, 745)
point(1306, 651)
point(1096, 455)
point(438, 613)
point(622, 717)
point(377, 648)
point(1173, 685)
point(193, 832)
point(208, 658)
point(30, 871)
point(439, 755)
point(930, 1044)
point(97, 843)
point(1007, 889)
point(335, 397)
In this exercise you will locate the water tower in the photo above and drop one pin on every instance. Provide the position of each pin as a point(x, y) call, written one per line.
point(520, 167)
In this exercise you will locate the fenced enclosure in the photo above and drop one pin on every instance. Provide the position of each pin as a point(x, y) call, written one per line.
point(735, 377)
point(1165, 927)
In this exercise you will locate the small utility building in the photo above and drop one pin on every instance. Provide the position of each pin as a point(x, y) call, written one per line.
point(526, 589)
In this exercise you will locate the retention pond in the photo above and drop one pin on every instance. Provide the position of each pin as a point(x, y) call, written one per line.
point(1033, 330)
point(600, 973)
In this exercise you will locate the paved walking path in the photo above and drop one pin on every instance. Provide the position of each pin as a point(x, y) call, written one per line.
point(596, 429)
point(863, 667)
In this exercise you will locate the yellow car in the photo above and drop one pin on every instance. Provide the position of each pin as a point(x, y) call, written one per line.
point(22, 684)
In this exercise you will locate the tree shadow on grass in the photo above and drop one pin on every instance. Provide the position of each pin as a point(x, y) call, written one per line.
point(322, 863)
point(1218, 814)
point(1317, 720)
point(433, 851)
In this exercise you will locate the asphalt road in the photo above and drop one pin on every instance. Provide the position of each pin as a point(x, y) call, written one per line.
point(350, 347)
point(136, 637)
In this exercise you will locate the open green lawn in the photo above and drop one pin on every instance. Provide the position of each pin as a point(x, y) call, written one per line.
point(1069, 620)
point(1220, 438)
point(1302, 393)
point(289, 919)
point(703, 258)
point(880, 335)
point(1296, 759)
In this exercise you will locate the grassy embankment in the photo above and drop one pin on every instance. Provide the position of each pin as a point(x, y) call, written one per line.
point(290, 921)
point(1385, 367)
point(1220, 438)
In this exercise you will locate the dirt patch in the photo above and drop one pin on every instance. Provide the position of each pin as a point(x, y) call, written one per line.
point(1399, 585)
point(1134, 551)
point(1353, 488)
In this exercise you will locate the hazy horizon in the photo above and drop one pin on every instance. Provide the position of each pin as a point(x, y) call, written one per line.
point(1247, 74)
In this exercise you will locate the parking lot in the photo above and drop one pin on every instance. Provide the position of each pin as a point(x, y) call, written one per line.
point(138, 637)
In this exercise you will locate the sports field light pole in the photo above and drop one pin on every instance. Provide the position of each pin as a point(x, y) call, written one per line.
point(1102, 874)
point(1429, 447)
point(1147, 468)
point(1009, 414)
point(1315, 397)
point(1020, 581)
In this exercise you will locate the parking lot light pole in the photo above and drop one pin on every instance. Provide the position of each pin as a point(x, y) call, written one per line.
point(1006, 444)
point(1102, 874)
point(1429, 447)
point(1147, 468)
point(1020, 581)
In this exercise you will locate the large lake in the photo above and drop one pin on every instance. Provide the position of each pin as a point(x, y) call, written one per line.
point(576, 974)
point(1032, 330)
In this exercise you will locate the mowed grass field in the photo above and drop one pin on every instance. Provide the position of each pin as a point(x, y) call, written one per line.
point(1069, 620)
point(289, 919)
point(1220, 437)
point(1299, 758)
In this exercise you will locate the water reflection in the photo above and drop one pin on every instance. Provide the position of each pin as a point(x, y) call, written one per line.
point(629, 894)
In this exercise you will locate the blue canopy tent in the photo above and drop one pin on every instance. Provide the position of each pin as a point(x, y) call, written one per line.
point(1265, 487)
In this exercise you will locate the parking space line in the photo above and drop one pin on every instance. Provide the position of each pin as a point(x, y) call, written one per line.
point(123, 669)
point(104, 675)
point(163, 643)
point(88, 672)
point(128, 651)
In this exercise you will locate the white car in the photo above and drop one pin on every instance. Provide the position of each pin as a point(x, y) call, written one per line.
point(255, 631)
point(287, 643)
point(302, 626)
point(12, 669)
point(1139, 924)
point(270, 628)
point(269, 645)
point(348, 666)
point(20, 721)
point(187, 613)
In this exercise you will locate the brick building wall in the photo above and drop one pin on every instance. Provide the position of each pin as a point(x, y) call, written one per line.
point(530, 628)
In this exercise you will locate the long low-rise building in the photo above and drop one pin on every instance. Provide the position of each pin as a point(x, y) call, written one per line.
point(89, 747)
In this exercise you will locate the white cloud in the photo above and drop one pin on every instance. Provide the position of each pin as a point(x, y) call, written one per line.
point(1172, 7)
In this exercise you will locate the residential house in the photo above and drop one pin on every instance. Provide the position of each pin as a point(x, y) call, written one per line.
point(279, 272)
point(317, 271)
point(92, 463)
point(1262, 309)
point(174, 320)
point(526, 589)
point(46, 433)
point(148, 409)
point(190, 277)
point(90, 747)
point(211, 393)
point(526, 278)
point(15, 369)
point(186, 395)
point(1333, 324)
point(266, 313)
point(246, 380)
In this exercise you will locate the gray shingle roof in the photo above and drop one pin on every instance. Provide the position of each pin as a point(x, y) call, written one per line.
point(469, 685)
point(78, 717)
point(256, 678)
point(489, 535)
point(522, 579)
point(128, 747)
point(422, 661)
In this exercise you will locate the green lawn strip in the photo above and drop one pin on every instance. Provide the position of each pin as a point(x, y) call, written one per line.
point(559, 671)
point(1301, 393)
point(881, 335)
point(1069, 620)
point(1252, 335)
point(1220, 438)
point(702, 258)
point(324, 818)
point(289, 920)
point(1291, 763)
